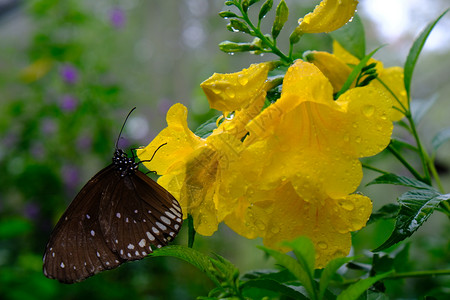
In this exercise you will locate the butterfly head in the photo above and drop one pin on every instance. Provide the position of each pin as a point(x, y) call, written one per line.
point(124, 164)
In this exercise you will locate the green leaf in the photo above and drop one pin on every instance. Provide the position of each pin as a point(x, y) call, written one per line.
point(274, 286)
point(280, 276)
point(227, 14)
point(386, 212)
point(414, 53)
point(194, 257)
point(328, 273)
point(440, 138)
point(265, 8)
point(238, 25)
point(419, 108)
point(303, 249)
point(351, 36)
point(281, 17)
point(231, 47)
point(357, 289)
point(400, 180)
point(416, 207)
point(401, 259)
point(245, 4)
point(356, 70)
point(300, 271)
point(206, 128)
point(13, 227)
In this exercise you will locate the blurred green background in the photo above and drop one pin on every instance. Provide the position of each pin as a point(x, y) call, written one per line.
point(71, 70)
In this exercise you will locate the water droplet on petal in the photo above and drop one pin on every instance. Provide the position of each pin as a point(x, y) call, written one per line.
point(242, 79)
point(368, 110)
point(322, 245)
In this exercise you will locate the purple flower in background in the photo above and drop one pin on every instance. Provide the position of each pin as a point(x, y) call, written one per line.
point(71, 176)
point(31, 211)
point(84, 142)
point(68, 103)
point(69, 74)
point(48, 126)
point(117, 17)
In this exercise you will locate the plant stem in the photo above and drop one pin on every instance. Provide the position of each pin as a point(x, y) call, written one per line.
point(264, 39)
point(369, 167)
point(405, 163)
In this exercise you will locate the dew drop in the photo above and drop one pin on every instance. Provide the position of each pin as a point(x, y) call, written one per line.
point(322, 245)
point(368, 110)
point(243, 80)
point(347, 205)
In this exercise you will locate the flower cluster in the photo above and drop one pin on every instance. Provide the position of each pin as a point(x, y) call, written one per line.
point(287, 170)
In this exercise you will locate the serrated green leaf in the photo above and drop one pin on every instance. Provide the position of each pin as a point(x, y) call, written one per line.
point(414, 53)
point(302, 273)
point(265, 8)
point(357, 289)
point(274, 286)
point(206, 128)
point(328, 273)
point(227, 14)
point(282, 14)
point(356, 70)
point(224, 266)
point(388, 211)
point(189, 255)
point(400, 180)
point(237, 25)
point(351, 36)
point(416, 207)
point(440, 138)
point(419, 108)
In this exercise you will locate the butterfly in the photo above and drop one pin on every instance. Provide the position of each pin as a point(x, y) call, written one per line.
point(120, 215)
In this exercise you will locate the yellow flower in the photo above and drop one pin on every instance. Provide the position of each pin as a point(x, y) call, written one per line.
point(392, 77)
point(195, 170)
point(281, 214)
point(329, 15)
point(230, 92)
point(299, 163)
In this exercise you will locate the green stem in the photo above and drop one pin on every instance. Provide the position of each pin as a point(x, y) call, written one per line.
point(422, 153)
point(405, 163)
point(369, 167)
point(264, 39)
point(191, 231)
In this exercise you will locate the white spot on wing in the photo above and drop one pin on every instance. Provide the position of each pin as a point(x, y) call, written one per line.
point(176, 226)
point(130, 246)
point(150, 236)
point(177, 213)
point(136, 253)
point(53, 254)
point(144, 253)
point(126, 220)
point(92, 232)
point(121, 251)
point(118, 215)
point(88, 216)
point(98, 254)
point(161, 226)
point(62, 265)
point(165, 220)
point(135, 211)
point(117, 241)
point(155, 230)
point(142, 243)
point(129, 254)
point(170, 215)
point(172, 233)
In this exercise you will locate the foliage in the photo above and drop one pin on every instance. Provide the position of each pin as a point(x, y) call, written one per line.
point(57, 118)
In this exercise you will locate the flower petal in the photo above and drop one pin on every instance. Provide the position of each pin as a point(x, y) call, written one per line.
point(329, 15)
point(229, 92)
point(180, 140)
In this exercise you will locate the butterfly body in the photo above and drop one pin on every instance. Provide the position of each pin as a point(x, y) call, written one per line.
point(120, 215)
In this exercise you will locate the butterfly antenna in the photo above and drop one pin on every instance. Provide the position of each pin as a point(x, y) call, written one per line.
point(123, 125)
point(149, 160)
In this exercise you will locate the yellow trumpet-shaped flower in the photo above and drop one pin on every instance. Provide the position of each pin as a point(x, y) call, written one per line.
point(195, 170)
point(300, 163)
point(390, 80)
point(329, 15)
